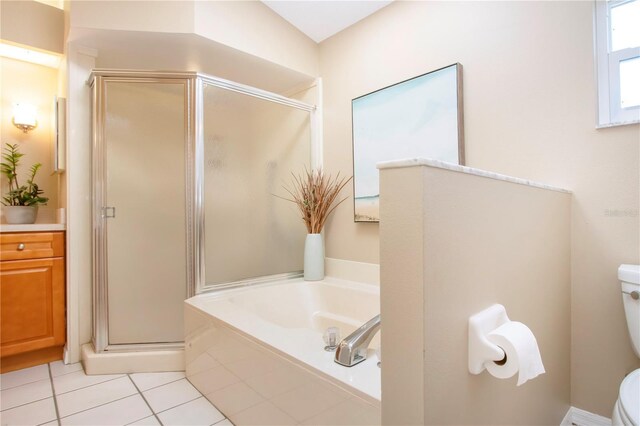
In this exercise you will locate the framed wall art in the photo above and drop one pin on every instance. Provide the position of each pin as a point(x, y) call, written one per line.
point(417, 118)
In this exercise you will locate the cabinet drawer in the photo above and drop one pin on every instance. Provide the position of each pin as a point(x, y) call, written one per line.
point(31, 245)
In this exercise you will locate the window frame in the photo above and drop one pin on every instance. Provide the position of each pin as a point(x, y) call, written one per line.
point(610, 113)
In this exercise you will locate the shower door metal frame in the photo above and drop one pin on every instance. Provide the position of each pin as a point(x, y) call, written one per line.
point(98, 82)
point(194, 157)
point(316, 162)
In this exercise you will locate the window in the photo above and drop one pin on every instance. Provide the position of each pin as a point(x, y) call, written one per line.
point(618, 61)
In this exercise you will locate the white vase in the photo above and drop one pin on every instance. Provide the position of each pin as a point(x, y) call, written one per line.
point(314, 258)
point(20, 214)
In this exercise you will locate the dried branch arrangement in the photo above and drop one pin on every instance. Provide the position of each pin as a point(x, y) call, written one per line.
point(315, 194)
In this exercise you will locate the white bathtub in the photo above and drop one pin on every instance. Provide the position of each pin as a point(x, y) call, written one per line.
point(257, 352)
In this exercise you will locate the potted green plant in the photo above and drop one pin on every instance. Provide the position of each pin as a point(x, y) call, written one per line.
point(21, 201)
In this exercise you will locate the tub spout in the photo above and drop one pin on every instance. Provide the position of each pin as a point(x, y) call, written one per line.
point(353, 348)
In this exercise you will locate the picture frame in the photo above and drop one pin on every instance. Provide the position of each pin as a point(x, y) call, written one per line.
point(421, 117)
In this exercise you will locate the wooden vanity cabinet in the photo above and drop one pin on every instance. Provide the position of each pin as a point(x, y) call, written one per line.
point(32, 299)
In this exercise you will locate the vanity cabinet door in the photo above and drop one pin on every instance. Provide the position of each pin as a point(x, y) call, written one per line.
point(32, 305)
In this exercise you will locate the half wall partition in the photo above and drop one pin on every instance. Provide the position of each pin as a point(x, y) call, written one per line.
point(185, 169)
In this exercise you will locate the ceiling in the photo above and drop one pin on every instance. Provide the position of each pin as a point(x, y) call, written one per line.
point(320, 19)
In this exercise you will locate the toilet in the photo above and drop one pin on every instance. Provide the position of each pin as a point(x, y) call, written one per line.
point(627, 409)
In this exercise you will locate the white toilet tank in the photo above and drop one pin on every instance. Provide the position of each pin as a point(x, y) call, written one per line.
point(629, 276)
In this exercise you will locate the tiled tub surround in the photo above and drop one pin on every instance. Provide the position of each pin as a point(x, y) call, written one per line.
point(257, 353)
point(52, 394)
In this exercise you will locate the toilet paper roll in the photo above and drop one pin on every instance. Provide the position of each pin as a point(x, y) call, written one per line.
point(521, 349)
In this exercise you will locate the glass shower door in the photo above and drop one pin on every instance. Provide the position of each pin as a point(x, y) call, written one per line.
point(251, 147)
point(144, 210)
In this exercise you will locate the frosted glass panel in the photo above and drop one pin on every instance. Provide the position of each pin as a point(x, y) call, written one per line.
point(251, 147)
point(625, 25)
point(630, 83)
point(145, 157)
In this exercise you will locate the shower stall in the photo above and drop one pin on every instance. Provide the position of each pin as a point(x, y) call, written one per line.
point(186, 169)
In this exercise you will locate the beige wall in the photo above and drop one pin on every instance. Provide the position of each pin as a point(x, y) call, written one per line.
point(80, 62)
point(167, 16)
point(453, 244)
point(33, 24)
point(249, 27)
point(530, 106)
point(36, 85)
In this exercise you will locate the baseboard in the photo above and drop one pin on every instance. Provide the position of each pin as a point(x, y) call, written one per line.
point(131, 362)
point(349, 270)
point(576, 416)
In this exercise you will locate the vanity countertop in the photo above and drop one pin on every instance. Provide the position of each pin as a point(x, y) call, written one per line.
point(35, 227)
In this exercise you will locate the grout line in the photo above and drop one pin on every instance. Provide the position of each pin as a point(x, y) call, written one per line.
point(145, 417)
point(264, 399)
point(93, 384)
point(173, 381)
point(26, 403)
point(186, 402)
point(98, 406)
point(225, 387)
point(144, 399)
point(70, 372)
point(53, 390)
point(26, 383)
point(191, 400)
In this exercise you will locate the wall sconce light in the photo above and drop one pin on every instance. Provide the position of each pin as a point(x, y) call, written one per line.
point(24, 117)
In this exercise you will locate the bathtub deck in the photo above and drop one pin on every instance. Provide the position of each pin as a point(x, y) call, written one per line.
point(250, 367)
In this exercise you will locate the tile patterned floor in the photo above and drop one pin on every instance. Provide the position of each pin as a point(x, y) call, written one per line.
point(58, 394)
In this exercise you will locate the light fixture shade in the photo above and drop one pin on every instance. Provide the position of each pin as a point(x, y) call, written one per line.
point(24, 117)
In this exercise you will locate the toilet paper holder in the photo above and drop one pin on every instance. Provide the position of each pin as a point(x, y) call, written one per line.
point(481, 350)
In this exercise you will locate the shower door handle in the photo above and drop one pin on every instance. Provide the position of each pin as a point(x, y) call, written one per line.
point(108, 212)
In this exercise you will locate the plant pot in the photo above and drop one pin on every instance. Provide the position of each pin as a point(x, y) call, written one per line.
point(314, 258)
point(20, 214)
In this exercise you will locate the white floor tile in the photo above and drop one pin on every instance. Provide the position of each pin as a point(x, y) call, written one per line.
point(120, 412)
point(52, 423)
point(225, 422)
point(30, 414)
point(76, 380)
point(169, 395)
point(197, 412)
point(93, 396)
point(147, 421)
point(59, 368)
point(263, 414)
point(146, 381)
point(25, 394)
point(24, 376)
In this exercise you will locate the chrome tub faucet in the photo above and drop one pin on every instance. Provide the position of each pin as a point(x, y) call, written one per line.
point(353, 348)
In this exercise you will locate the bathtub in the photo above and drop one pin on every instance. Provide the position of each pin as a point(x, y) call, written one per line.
point(257, 352)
